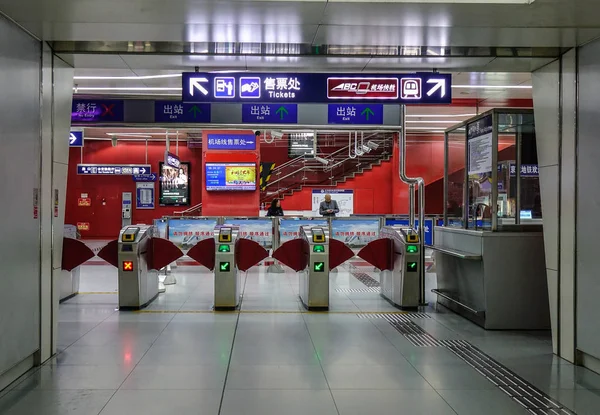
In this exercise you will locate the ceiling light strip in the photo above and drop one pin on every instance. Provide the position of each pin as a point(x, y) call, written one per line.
point(126, 78)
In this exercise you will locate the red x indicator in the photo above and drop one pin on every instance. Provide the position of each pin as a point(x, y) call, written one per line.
point(128, 266)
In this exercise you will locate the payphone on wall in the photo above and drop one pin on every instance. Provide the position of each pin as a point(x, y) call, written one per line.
point(126, 206)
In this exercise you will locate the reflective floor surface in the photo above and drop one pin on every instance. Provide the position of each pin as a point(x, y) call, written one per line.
point(177, 357)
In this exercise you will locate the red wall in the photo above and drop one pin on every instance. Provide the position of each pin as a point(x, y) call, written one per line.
point(105, 220)
point(230, 203)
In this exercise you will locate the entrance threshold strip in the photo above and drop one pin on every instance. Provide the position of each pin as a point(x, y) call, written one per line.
point(362, 313)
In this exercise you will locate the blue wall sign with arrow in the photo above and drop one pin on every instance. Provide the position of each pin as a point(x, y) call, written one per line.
point(355, 114)
point(270, 113)
point(178, 112)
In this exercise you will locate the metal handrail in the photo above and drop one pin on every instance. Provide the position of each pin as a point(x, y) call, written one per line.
point(189, 210)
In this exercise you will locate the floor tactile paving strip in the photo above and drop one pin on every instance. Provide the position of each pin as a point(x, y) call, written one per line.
point(532, 399)
point(405, 317)
point(366, 279)
point(375, 290)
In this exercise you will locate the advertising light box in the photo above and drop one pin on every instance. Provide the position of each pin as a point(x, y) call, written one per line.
point(230, 176)
point(174, 185)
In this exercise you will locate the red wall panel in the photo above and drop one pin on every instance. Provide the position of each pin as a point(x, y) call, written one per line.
point(105, 219)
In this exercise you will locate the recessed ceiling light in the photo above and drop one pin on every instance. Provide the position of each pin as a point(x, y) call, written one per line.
point(143, 88)
point(126, 78)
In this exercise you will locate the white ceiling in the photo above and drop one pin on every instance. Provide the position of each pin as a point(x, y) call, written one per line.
point(561, 23)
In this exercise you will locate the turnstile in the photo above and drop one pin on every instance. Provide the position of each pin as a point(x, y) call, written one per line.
point(226, 274)
point(314, 279)
point(138, 285)
point(400, 284)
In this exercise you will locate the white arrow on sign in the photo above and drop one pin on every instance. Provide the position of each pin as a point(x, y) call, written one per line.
point(439, 84)
point(143, 170)
point(196, 83)
point(72, 138)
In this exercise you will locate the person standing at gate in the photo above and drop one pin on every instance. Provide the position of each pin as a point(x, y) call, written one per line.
point(275, 209)
point(328, 207)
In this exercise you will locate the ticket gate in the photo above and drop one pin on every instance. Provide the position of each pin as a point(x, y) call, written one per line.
point(398, 254)
point(138, 255)
point(313, 256)
point(226, 254)
point(74, 254)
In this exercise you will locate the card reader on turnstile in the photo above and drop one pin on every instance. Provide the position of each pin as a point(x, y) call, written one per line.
point(227, 277)
point(314, 279)
point(400, 285)
point(138, 286)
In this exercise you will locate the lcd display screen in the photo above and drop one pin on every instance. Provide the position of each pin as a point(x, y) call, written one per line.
point(230, 176)
point(174, 185)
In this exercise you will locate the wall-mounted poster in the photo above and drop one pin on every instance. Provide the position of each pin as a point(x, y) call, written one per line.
point(174, 185)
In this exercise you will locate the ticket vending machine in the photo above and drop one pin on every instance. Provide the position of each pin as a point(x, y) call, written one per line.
point(226, 274)
point(398, 254)
point(314, 279)
point(126, 207)
point(138, 284)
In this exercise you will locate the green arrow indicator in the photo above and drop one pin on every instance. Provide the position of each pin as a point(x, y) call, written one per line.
point(319, 266)
point(225, 266)
point(411, 266)
point(195, 110)
point(367, 112)
point(282, 112)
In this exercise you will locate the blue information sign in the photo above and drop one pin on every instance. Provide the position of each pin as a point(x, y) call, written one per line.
point(417, 88)
point(113, 169)
point(231, 142)
point(145, 177)
point(355, 114)
point(177, 111)
point(270, 113)
point(428, 231)
point(144, 193)
point(84, 110)
point(76, 139)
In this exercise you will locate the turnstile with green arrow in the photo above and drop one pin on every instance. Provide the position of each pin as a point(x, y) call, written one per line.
point(227, 277)
point(314, 279)
point(400, 282)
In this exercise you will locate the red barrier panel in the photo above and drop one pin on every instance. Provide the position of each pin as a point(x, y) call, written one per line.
point(293, 253)
point(75, 253)
point(204, 253)
point(248, 253)
point(379, 253)
point(110, 253)
point(338, 253)
point(161, 252)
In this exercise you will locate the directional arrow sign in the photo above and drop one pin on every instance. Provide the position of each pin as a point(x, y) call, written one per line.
point(195, 111)
point(319, 267)
point(282, 112)
point(196, 84)
point(76, 139)
point(411, 266)
point(367, 112)
point(225, 266)
point(439, 84)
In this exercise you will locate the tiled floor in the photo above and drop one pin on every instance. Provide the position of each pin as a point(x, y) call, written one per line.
point(274, 359)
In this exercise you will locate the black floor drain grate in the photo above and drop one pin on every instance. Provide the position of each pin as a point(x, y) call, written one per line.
point(375, 290)
point(395, 317)
point(366, 279)
point(532, 399)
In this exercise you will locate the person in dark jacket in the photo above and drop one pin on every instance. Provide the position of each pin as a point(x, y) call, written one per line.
point(328, 207)
point(275, 209)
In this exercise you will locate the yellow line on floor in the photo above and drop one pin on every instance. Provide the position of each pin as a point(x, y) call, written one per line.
point(98, 292)
point(264, 312)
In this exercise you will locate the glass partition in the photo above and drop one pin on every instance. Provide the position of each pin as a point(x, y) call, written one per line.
point(455, 168)
point(491, 174)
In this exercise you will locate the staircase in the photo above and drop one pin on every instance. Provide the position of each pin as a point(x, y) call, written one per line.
point(328, 170)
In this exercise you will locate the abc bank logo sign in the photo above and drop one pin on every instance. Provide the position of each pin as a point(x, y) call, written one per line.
point(172, 161)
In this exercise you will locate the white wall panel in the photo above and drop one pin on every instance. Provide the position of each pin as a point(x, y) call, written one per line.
point(588, 200)
point(20, 66)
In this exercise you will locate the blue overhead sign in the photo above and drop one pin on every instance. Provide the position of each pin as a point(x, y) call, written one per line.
point(355, 114)
point(177, 111)
point(145, 177)
point(245, 142)
point(113, 169)
point(76, 139)
point(417, 88)
point(85, 111)
point(270, 113)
